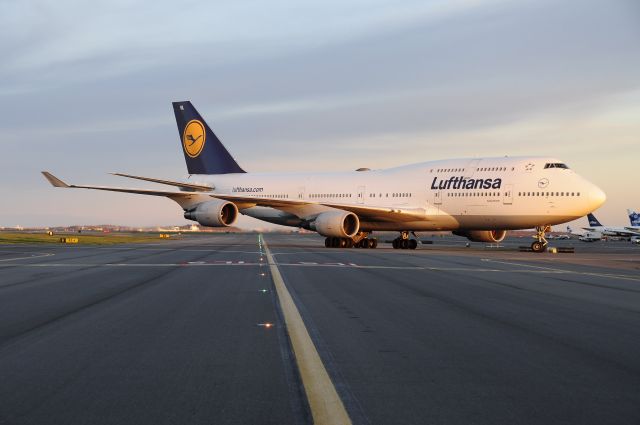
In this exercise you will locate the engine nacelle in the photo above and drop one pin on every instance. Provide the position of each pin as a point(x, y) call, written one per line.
point(214, 213)
point(342, 224)
point(483, 235)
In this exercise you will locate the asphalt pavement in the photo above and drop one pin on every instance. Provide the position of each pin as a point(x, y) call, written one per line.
point(191, 331)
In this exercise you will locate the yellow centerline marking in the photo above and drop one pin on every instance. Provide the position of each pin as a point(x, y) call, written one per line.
point(324, 402)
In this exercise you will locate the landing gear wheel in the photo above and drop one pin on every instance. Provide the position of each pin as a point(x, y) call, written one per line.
point(538, 247)
point(327, 242)
point(372, 243)
point(404, 243)
point(349, 243)
point(395, 243)
point(413, 244)
point(335, 242)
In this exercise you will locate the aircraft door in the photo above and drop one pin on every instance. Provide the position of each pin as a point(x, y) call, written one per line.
point(361, 191)
point(301, 192)
point(507, 196)
point(437, 199)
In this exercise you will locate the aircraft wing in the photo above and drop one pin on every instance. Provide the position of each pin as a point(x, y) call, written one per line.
point(185, 199)
point(373, 213)
point(615, 231)
point(382, 213)
point(626, 232)
point(181, 185)
point(190, 199)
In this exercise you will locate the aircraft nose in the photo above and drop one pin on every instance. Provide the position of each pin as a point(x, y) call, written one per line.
point(597, 197)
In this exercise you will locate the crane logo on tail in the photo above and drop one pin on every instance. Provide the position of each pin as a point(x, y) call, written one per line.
point(193, 138)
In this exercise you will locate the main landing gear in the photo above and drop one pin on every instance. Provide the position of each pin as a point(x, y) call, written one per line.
point(364, 242)
point(403, 242)
point(540, 245)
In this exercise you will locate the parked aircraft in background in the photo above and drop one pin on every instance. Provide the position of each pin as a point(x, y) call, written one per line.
point(634, 220)
point(478, 198)
point(577, 233)
point(595, 226)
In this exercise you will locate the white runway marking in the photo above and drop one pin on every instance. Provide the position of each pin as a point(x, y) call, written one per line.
point(33, 255)
point(543, 269)
point(530, 269)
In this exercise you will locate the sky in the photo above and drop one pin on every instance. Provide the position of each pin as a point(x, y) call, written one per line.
point(86, 89)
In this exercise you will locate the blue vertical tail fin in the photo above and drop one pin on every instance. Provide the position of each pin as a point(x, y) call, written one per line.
point(203, 151)
point(634, 217)
point(593, 221)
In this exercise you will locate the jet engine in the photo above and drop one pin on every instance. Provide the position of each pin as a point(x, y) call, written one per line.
point(483, 235)
point(341, 224)
point(214, 213)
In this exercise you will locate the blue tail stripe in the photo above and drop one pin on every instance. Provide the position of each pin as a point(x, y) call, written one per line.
point(204, 153)
point(593, 221)
point(634, 217)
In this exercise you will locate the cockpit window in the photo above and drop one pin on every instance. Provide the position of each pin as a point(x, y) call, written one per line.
point(556, 165)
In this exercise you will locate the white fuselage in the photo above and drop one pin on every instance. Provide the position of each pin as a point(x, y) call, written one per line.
point(456, 194)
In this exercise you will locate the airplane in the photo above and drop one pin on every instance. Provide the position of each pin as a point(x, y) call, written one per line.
point(573, 232)
point(595, 226)
point(477, 198)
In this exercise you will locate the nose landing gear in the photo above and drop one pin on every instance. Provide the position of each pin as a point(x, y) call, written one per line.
point(540, 245)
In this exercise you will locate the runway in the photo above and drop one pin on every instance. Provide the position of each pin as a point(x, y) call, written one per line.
point(192, 331)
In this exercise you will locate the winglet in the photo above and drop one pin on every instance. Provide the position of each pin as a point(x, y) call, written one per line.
point(55, 182)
